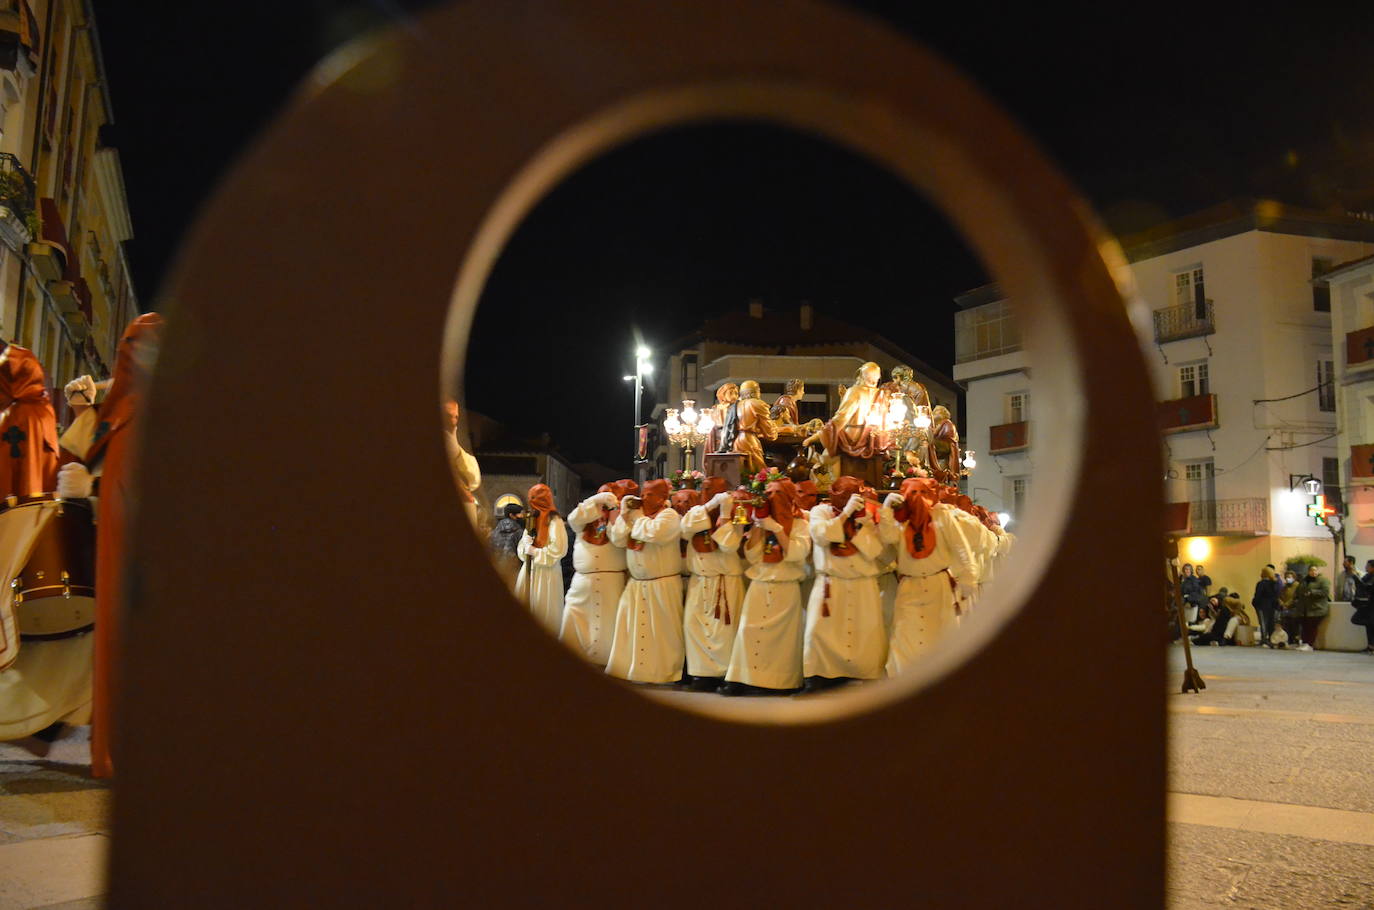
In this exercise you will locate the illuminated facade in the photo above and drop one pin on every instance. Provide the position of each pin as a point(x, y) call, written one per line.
point(1236, 329)
point(65, 285)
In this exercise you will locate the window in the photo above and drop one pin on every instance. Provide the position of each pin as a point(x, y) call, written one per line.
point(689, 373)
point(1326, 385)
point(1193, 380)
point(1321, 291)
point(1189, 290)
point(1331, 483)
point(1018, 407)
point(1020, 486)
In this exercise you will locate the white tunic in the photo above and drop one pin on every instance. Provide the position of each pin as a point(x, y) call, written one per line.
point(466, 472)
point(715, 595)
point(845, 635)
point(925, 609)
point(975, 536)
point(647, 645)
point(768, 646)
point(597, 583)
point(540, 582)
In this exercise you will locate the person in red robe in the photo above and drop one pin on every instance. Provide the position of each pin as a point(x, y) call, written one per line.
point(112, 455)
point(28, 426)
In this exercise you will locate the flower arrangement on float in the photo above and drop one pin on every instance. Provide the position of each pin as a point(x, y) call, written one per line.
point(895, 476)
point(686, 480)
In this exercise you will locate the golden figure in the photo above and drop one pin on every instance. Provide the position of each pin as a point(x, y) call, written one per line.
point(753, 425)
point(942, 451)
point(724, 413)
point(903, 387)
point(857, 427)
point(784, 413)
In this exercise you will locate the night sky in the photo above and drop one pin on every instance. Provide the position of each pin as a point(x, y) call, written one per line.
point(1154, 110)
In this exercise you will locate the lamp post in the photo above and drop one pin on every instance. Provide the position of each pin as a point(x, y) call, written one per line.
point(642, 368)
point(688, 428)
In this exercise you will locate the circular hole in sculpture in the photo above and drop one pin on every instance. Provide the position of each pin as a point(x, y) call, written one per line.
point(742, 422)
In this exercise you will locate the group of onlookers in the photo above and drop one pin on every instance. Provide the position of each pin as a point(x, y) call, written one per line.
point(1289, 608)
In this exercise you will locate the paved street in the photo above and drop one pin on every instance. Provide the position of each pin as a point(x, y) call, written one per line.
point(1272, 803)
point(1272, 773)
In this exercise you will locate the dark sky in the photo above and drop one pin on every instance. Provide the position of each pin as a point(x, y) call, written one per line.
point(1155, 110)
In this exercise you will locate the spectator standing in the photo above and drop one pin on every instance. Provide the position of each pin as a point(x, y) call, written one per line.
point(1203, 579)
point(1266, 602)
point(505, 541)
point(1364, 605)
point(1349, 580)
point(1191, 590)
point(1311, 602)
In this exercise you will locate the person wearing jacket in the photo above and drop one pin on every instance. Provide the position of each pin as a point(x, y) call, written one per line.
point(1266, 603)
point(1191, 589)
point(1364, 605)
point(1312, 601)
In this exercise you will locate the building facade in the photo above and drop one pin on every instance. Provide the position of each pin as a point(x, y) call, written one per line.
point(771, 347)
point(1237, 334)
point(1351, 290)
point(66, 290)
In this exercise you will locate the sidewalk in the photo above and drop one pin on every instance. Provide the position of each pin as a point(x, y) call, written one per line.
point(53, 827)
point(1272, 780)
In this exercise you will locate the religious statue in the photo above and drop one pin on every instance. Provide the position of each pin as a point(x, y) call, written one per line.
point(855, 436)
point(725, 416)
point(753, 425)
point(942, 451)
point(784, 411)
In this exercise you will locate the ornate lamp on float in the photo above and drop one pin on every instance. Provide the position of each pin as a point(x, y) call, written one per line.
point(688, 428)
point(969, 463)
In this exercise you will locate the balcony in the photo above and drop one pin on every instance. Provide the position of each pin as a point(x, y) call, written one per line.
point(1362, 463)
point(1226, 517)
point(18, 37)
point(1182, 415)
point(17, 218)
point(1359, 348)
point(986, 331)
point(1006, 438)
point(1189, 320)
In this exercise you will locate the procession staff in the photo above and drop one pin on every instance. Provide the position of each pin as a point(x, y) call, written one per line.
point(845, 636)
point(647, 646)
point(768, 647)
point(598, 574)
point(715, 594)
point(932, 557)
point(112, 453)
point(540, 582)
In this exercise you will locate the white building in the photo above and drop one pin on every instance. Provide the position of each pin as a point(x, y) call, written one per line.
point(771, 347)
point(1238, 338)
point(1351, 289)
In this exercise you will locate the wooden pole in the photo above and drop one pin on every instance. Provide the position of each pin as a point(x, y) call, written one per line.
point(1192, 679)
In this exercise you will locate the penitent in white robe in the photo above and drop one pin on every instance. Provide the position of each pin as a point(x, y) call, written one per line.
point(647, 643)
point(597, 583)
point(850, 642)
point(540, 582)
point(715, 595)
point(980, 544)
point(768, 646)
point(924, 611)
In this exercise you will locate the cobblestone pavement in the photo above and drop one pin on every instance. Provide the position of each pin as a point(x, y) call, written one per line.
point(1272, 781)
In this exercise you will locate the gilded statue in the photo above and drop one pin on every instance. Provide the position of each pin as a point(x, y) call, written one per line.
point(904, 388)
point(753, 426)
point(725, 416)
point(784, 412)
point(942, 452)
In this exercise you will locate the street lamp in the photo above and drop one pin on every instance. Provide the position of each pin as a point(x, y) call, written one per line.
point(642, 368)
point(688, 428)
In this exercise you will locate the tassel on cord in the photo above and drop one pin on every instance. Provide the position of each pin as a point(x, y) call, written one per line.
point(825, 599)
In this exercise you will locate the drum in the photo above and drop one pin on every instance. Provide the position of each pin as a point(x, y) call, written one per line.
point(48, 548)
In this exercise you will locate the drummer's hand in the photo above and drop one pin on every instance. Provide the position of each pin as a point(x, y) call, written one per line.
point(73, 482)
point(82, 385)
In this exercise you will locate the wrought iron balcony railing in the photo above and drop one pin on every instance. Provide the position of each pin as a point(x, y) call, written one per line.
point(1229, 516)
point(1189, 320)
point(16, 187)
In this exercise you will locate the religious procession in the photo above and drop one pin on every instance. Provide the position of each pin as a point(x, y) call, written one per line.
point(804, 557)
point(64, 503)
